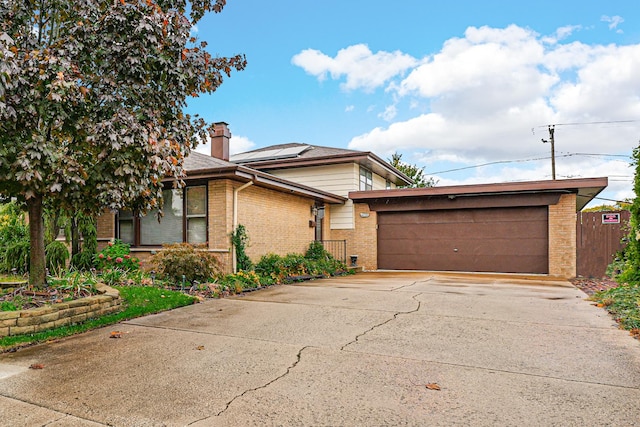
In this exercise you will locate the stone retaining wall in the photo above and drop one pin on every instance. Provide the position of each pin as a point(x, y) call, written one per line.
point(61, 314)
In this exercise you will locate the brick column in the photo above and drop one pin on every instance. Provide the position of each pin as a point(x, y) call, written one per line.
point(562, 237)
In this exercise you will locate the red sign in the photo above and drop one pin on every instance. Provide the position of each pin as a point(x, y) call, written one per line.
point(611, 218)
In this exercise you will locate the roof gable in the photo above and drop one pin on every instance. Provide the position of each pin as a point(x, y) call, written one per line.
point(314, 155)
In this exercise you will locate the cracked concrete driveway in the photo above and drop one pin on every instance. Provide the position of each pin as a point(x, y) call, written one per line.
point(351, 351)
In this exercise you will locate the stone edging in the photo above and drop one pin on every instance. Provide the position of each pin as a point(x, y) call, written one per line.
point(61, 314)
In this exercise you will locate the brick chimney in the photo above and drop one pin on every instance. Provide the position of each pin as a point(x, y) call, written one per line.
point(220, 141)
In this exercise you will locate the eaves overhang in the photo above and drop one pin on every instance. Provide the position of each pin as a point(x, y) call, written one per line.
point(262, 179)
point(584, 188)
point(367, 159)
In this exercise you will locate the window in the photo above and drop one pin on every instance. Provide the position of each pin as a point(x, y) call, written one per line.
point(175, 226)
point(366, 179)
point(196, 214)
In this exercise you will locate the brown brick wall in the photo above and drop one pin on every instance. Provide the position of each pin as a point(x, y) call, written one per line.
point(361, 241)
point(106, 228)
point(221, 220)
point(275, 222)
point(562, 237)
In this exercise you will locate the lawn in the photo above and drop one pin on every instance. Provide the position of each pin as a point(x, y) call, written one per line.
point(137, 301)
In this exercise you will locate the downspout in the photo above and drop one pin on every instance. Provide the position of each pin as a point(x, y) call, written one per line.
point(235, 220)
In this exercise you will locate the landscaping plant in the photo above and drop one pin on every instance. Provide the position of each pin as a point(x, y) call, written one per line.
point(14, 239)
point(117, 255)
point(240, 242)
point(193, 262)
point(56, 255)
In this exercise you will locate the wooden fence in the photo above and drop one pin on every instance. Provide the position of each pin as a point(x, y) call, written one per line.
point(599, 238)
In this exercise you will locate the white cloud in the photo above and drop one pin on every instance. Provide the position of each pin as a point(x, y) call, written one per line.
point(389, 113)
point(564, 32)
point(362, 68)
point(613, 22)
point(486, 91)
point(349, 108)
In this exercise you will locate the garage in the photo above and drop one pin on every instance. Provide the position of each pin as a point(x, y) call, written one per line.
point(516, 227)
point(511, 240)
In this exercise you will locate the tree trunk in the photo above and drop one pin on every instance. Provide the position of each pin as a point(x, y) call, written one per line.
point(37, 272)
point(75, 236)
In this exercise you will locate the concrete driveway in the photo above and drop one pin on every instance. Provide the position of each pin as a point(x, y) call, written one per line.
point(351, 351)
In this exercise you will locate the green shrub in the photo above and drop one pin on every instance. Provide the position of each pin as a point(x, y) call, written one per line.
point(316, 251)
point(16, 256)
point(183, 259)
point(241, 281)
point(14, 239)
point(56, 256)
point(240, 241)
point(279, 269)
point(117, 255)
point(85, 260)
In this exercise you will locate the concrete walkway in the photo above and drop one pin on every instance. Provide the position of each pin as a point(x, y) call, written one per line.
point(352, 351)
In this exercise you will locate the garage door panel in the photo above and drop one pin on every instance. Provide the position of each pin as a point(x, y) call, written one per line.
point(464, 231)
point(502, 264)
point(442, 247)
point(493, 239)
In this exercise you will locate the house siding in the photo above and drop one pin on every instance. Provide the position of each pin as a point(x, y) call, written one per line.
point(336, 179)
point(379, 183)
point(361, 241)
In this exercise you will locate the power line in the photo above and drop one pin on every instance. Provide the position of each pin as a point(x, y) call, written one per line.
point(607, 122)
point(521, 161)
point(611, 200)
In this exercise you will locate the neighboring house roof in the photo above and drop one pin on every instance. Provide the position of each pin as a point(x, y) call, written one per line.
point(203, 166)
point(293, 155)
point(584, 188)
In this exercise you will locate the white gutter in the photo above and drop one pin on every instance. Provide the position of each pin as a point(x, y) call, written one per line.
point(235, 221)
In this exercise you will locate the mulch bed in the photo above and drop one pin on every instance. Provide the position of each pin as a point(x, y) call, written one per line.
point(590, 286)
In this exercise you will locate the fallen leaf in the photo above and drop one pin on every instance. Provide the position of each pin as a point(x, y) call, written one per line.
point(115, 334)
point(433, 386)
point(200, 347)
point(37, 366)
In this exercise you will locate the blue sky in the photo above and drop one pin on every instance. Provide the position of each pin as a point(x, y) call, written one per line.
point(449, 85)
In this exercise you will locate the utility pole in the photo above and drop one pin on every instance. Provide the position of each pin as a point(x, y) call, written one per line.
point(552, 129)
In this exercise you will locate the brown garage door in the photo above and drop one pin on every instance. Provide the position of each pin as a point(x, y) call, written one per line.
point(507, 240)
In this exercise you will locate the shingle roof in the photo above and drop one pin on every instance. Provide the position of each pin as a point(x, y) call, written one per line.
point(198, 161)
point(315, 155)
point(313, 151)
point(202, 166)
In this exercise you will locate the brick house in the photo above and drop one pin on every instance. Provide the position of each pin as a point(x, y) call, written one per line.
point(338, 171)
point(517, 227)
point(291, 194)
point(277, 214)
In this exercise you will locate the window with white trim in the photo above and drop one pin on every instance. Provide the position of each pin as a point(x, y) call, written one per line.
point(366, 179)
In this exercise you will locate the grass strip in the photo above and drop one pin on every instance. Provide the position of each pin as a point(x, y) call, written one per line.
point(623, 303)
point(137, 301)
